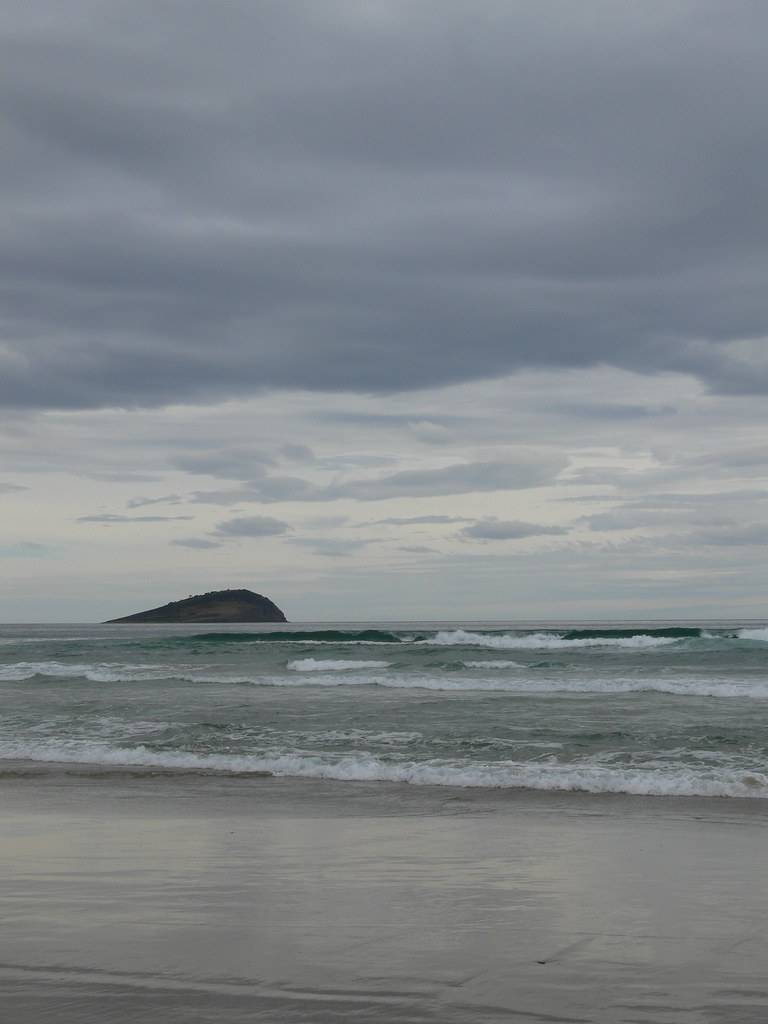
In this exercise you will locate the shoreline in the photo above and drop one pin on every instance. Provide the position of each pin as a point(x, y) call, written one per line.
point(426, 793)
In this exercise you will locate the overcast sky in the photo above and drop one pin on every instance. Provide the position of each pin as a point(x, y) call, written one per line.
point(385, 309)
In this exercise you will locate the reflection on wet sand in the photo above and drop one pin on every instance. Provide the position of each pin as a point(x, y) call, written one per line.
point(135, 896)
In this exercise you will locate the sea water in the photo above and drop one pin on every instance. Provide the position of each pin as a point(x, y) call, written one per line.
point(644, 708)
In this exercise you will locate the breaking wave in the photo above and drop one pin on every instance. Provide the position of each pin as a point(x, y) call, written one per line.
point(361, 767)
point(337, 673)
point(328, 665)
point(544, 641)
point(753, 634)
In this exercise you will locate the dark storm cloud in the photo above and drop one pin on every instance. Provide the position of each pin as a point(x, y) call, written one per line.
point(205, 200)
point(499, 529)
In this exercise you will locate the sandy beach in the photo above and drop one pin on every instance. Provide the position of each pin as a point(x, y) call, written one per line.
point(138, 896)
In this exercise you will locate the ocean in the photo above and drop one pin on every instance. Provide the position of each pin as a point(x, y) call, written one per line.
point(655, 708)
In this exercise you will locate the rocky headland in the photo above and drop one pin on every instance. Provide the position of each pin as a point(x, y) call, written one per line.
point(216, 606)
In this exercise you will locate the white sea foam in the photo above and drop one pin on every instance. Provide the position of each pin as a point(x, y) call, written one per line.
point(114, 672)
point(692, 686)
point(369, 673)
point(591, 778)
point(328, 665)
point(492, 664)
point(542, 641)
point(753, 634)
point(102, 672)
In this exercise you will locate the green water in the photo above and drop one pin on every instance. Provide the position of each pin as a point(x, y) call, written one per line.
point(655, 708)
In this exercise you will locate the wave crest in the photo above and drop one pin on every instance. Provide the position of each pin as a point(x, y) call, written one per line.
point(293, 636)
point(543, 641)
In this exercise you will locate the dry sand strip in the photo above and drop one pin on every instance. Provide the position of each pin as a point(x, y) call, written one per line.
point(133, 896)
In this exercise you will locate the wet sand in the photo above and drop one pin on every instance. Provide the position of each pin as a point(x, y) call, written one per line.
point(136, 896)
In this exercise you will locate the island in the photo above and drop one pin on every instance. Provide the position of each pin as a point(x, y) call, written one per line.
point(216, 606)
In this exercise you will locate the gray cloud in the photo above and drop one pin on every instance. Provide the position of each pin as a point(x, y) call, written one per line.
point(332, 547)
point(196, 542)
point(232, 464)
point(690, 499)
point(165, 499)
point(112, 518)
point(246, 464)
point(459, 478)
point(356, 460)
point(429, 432)
point(631, 517)
point(614, 410)
point(324, 522)
point(688, 521)
point(269, 490)
point(297, 453)
point(514, 529)
point(732, 535)
point(310, 196)
point(252, 526)
point(388, 420)
point(624, 478)
point(755, 457)
point(11, 488)
point(123, 477)
point(417, 520)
